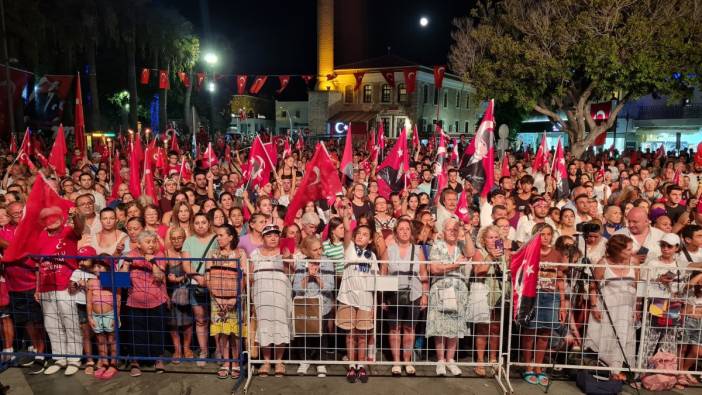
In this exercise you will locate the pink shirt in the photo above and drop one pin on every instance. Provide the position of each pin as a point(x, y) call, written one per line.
point(55, 274)
point(145, 292)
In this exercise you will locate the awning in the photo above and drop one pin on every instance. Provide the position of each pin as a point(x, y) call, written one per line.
point(353, 116)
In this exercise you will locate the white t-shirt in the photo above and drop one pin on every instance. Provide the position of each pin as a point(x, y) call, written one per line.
point(79, 276)
point(357, 280)
point(651, 242)
point(526, 224)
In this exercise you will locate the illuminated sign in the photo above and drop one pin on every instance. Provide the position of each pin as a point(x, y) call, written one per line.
point(340, 127)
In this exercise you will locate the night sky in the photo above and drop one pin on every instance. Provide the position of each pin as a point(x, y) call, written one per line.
point(279, 37)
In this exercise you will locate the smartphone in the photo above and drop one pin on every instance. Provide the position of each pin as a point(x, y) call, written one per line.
point(500, 244)
point(643, 251)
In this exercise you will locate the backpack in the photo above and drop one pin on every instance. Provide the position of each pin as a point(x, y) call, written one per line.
point(658, 381)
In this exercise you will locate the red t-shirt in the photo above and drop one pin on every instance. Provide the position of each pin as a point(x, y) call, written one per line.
point(55, 274)
point(146, 292)
point(20, 275)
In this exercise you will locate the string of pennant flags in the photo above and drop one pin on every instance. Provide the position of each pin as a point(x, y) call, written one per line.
point(259, 80)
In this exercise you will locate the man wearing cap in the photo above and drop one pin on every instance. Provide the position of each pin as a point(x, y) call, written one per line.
point(170, 186)
point(56, 241)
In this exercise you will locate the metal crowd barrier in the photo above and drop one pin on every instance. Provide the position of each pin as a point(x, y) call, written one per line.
point(336, 314)
point(142, 332)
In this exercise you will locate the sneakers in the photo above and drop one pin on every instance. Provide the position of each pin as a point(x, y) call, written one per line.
point(441, 368)
point(28, 360)
point(302, 370)
point(453, 368)
point(71, 370)
point(38, 366)
point(351, 374)
point(362, 374)
point(321, 371)
point(53, 369)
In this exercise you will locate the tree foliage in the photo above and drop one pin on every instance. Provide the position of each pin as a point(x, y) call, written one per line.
point(561, 56)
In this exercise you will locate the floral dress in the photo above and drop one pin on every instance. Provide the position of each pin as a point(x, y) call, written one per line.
point(442, 322)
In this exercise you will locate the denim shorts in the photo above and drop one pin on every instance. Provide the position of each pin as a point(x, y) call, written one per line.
point(104, 323)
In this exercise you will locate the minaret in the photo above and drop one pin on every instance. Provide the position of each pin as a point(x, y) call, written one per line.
point(325, 43)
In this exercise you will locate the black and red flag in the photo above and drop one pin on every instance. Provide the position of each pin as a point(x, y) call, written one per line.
point(524, 267)
point(480, 170)
point(391, 173)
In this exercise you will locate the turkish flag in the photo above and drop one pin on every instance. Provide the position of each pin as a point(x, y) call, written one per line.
point(389, 76)
point(79, 120)
point(42, 195)
point(287, 150)
point(321, 181)
point(541, 157)
point(228, 153)
point(57, 157)
point(261, 162)
point(258, 84)
point(300, 144)
point(138, 149)
point(347, 159)
point(439, 72)
point(381, 135)
point(284, 81)
point(163, 82)
point(560, 172)
point(184, 78)
point(62, 84)
point(391, 173)
point(199, 80)
point(505, 166)
point(241, 83)
point(462, 210)
point(145, 75)
point(415, 136)
point(524, 267)
point(454, 153)
point(600, 111)
point(134, 178)
point(359, 79)
point(174, 143)
point(149, 188)
point(410, 75)
point(307, 78)
point(116, 175)
point(210, 158)
point(600, 139)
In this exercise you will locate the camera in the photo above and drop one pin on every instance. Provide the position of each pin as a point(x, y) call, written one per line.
point(587, 227)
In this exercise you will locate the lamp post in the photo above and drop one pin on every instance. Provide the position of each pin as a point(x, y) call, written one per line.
point(211, 59)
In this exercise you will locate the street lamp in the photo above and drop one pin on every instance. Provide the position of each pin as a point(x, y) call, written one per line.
point(211, 58)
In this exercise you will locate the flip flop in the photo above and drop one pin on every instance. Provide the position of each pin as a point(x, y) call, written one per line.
point(222, 372)
point(543, 380)
point(530, 377)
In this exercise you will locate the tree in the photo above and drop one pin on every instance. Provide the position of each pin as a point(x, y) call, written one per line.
point(561, 56)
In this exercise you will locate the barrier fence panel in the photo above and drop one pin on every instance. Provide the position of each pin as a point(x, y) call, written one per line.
point(398, 317)
point(107, 312)
point(627, 322)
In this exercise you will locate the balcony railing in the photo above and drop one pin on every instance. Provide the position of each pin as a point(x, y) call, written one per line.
point(670, 112)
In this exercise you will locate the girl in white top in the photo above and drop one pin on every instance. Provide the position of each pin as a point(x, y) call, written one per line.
point(356, 297)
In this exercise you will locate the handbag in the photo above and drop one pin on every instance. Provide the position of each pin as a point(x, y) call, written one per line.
point(590, 385)
point(180, 296)
point(448, 302)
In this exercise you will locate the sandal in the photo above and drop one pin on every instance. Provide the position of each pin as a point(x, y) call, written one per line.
point(530, 377)
point(159, 367)
point(410, 370)
point(543, 379)
point(109, 373)
point(279, 370)
point(234, 374)
point(188, 353)
point(134, 371)
point(479, 371)
point(223, 372)
point(691, 379)
point(264, 370)
point(396, 370)
point(683, 380)
point(175, 358)
point(90, 368)
point(100, 372)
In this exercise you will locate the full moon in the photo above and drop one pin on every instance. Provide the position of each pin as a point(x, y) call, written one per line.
point(423, 21)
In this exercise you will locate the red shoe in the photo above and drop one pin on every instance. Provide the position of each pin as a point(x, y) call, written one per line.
point(351, 375)
point(362, 375)
point(109, 373)
point(99, 373)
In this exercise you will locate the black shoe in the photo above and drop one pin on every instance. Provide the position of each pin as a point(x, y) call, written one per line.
point(38, 366)
point(351, 375)
point(362, 375)
point(25, 361)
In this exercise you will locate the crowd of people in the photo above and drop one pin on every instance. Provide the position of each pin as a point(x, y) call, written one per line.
point(209, 240)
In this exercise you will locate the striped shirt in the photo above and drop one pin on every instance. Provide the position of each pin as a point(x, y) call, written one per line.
point(334, 252)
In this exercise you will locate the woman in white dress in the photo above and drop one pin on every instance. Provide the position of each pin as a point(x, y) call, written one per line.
point(272, 299)
point(617, 284)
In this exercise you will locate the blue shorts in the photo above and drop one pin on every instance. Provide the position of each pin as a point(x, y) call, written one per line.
point(547, 307)
point(104, 323)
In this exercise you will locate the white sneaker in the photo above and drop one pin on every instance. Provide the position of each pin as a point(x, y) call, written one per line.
point(321, 371)
point(53, 369)
point(302, 370)
point(71, 370)
point(455, 370)
point(441, 368)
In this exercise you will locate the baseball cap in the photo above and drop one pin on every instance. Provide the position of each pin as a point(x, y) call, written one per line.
point(270, 228)
point(671, 239)
point(87, 251)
